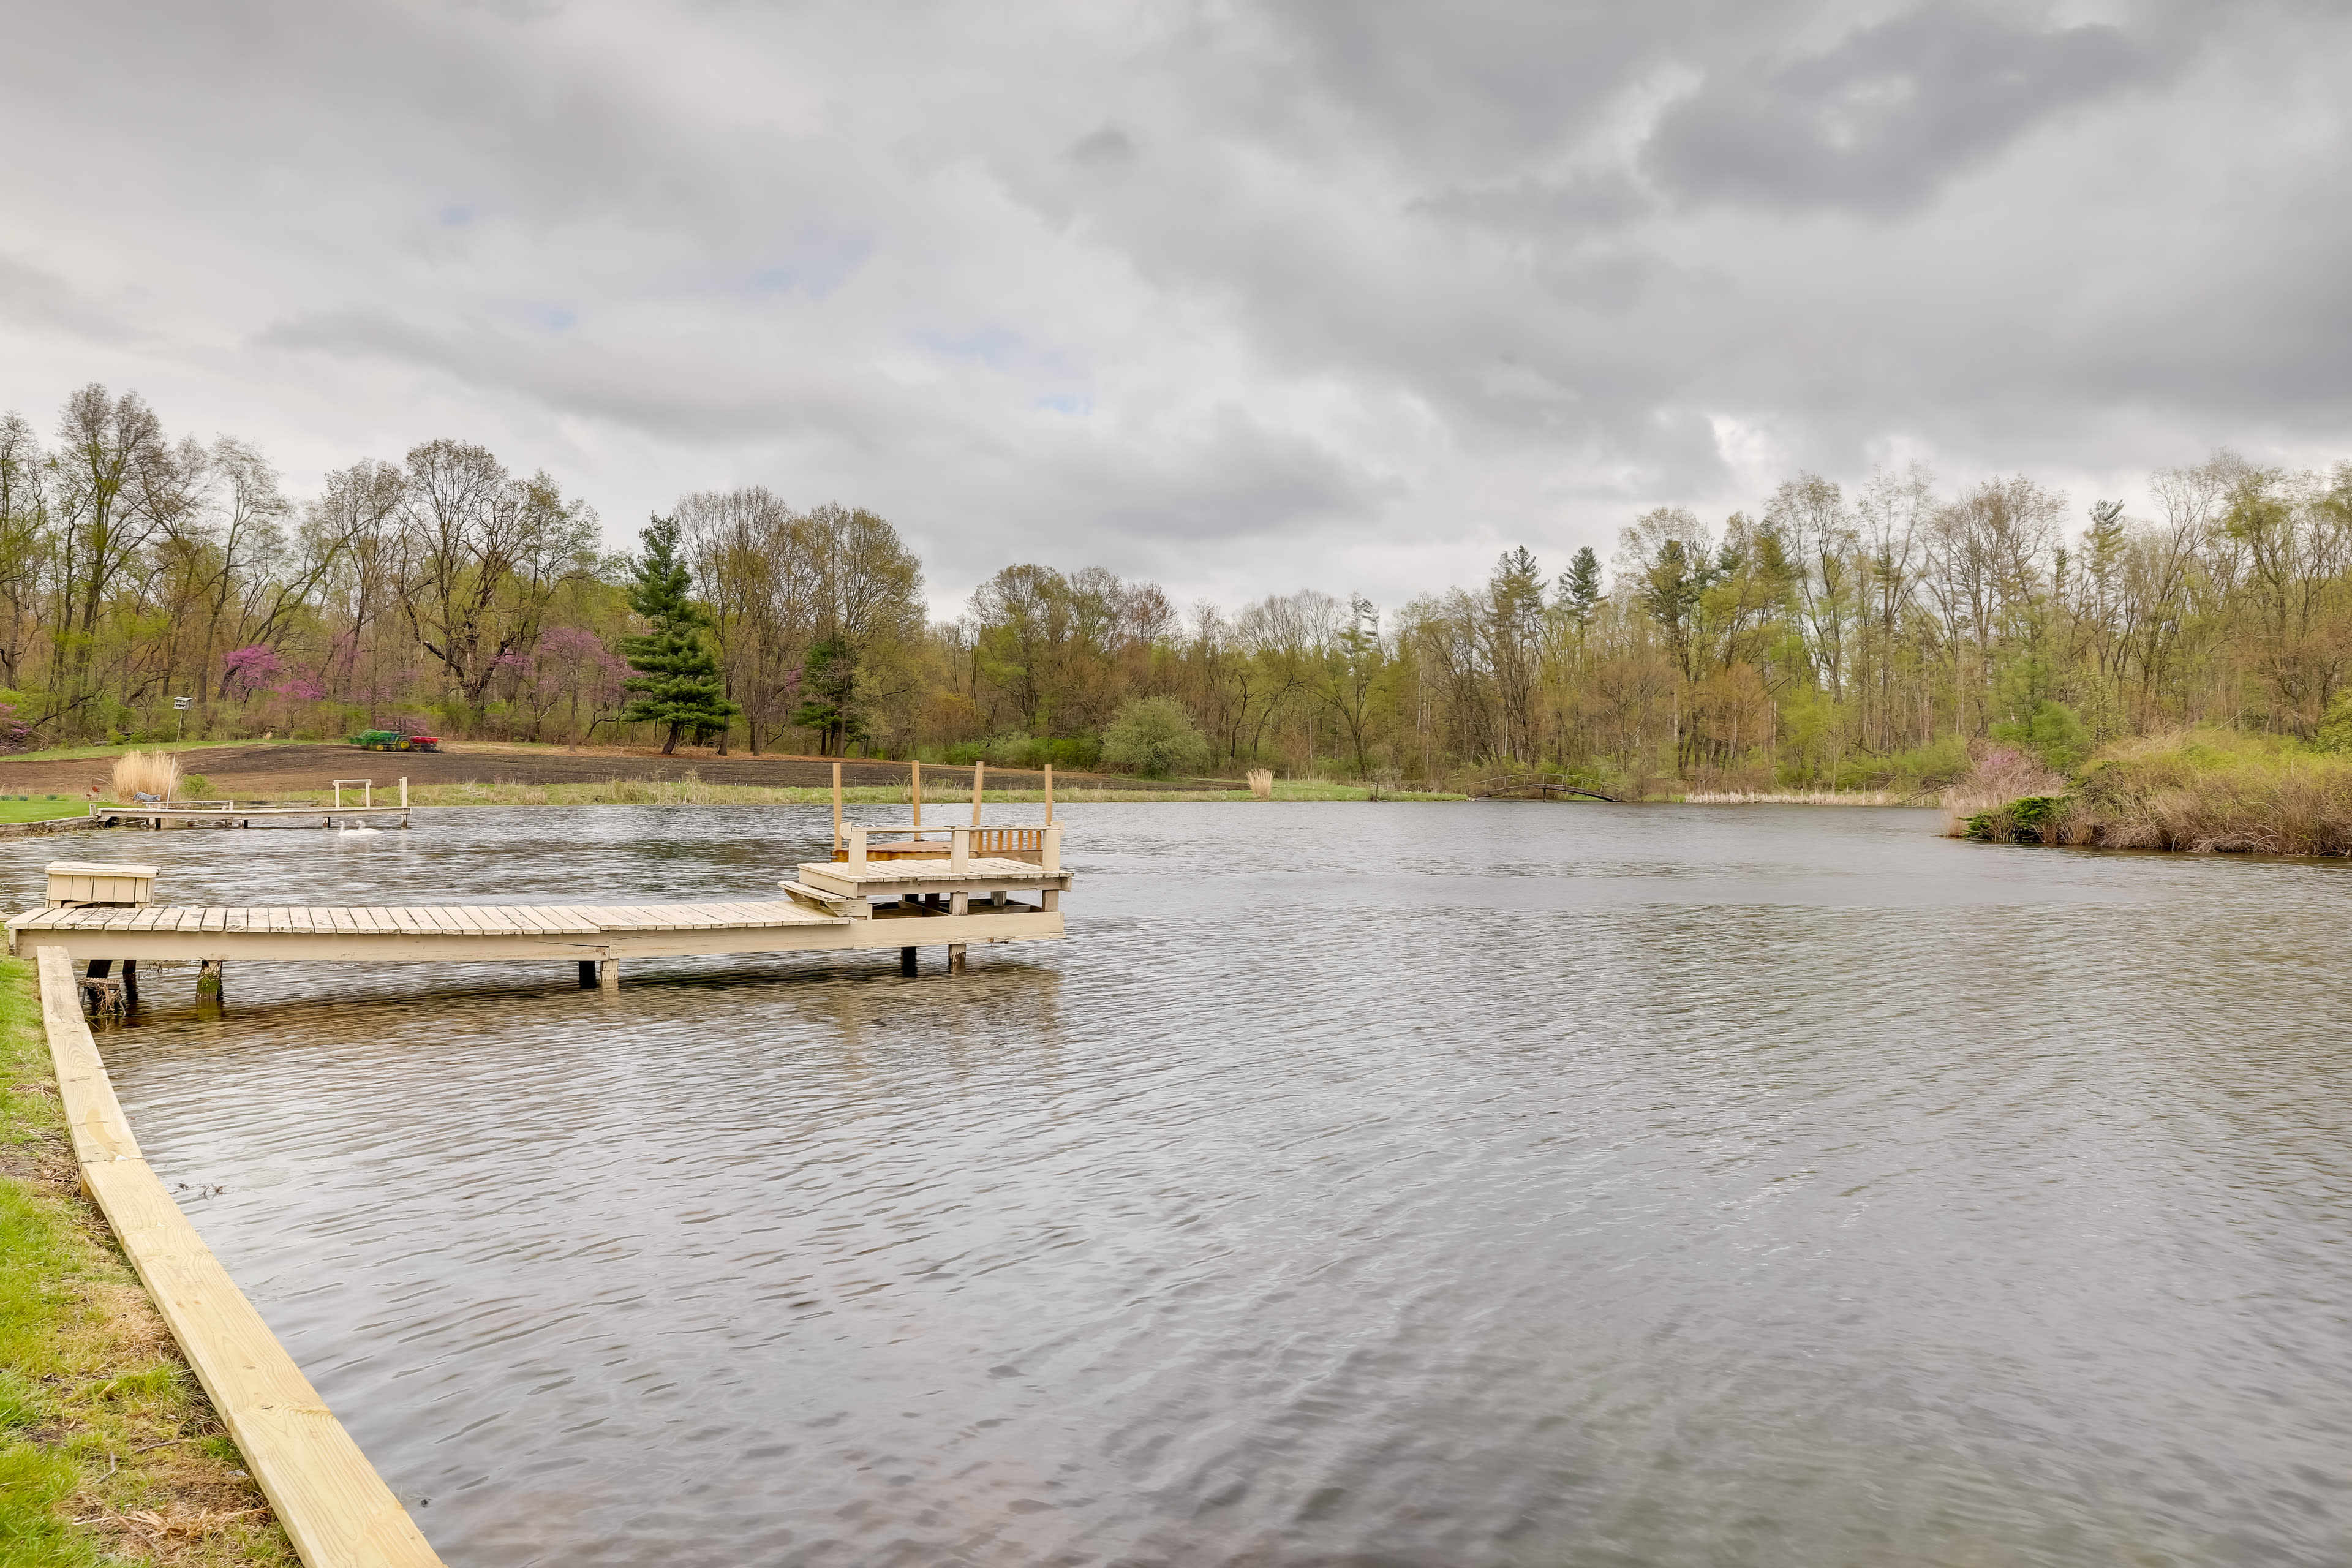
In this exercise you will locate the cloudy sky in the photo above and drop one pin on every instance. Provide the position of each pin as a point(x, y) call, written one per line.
point(1347, 295)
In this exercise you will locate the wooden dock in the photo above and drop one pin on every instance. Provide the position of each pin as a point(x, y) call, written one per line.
point(951, 900)
point(160, 813)
point(200, 815)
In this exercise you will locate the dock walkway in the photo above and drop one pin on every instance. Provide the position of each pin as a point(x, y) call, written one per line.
point(833, 906)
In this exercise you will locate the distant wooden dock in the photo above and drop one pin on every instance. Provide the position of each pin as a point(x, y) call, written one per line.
point(160, 813)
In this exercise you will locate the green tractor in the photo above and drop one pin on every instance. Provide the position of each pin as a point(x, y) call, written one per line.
point(395, 741)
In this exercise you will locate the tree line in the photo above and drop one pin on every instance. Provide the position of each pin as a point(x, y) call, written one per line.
point(1829, 634)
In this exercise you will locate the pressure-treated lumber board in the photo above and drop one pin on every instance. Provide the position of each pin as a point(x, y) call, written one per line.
point(334, 1506)
point(94, 1119)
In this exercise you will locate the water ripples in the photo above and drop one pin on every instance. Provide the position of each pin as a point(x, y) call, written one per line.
point(1474, 1185)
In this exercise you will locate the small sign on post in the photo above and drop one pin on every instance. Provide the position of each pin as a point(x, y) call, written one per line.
point(182, 704)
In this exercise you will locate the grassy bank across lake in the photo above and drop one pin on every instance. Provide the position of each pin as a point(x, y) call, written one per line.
point(109, 1450)
point(941, 798)
point(2203, 791)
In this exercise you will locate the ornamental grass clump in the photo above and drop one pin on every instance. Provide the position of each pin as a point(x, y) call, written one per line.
point(145, 773)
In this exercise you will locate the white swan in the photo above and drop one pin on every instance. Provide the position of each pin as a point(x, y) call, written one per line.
point(360, 832)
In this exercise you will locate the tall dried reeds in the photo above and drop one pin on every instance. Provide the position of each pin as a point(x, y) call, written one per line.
point(2221, 792)
point(1261, 783)
point(146, 773)
point(2209, 792)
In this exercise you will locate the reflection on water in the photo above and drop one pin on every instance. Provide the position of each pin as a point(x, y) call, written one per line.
point(1487, 1184)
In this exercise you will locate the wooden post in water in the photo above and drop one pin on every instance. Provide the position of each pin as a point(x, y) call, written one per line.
point(837, 805)
point(130, 979)
point(587, 974)
point(955, 958)
point(906, 960)
point(1049, 794)
point(918, 792)
point(208, 980)
point(978, 771)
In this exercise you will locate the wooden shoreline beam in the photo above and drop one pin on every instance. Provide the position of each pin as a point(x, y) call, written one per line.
point(335, 1508)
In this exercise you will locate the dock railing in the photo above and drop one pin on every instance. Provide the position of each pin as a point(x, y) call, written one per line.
point(1038, 846)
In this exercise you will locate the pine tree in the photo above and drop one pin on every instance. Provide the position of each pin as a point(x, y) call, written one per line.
point(676, 681)
point(1580, 588)
point(828, 696)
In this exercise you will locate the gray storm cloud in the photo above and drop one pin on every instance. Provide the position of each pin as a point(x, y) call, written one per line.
point(1243, 299)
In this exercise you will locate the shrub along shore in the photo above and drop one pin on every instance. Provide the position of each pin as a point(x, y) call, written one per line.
point(108, 1449)
point(2205, 792)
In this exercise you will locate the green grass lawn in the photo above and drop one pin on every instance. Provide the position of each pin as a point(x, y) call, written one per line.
point(76, 753)
point(109, 1450)
point(40, 807)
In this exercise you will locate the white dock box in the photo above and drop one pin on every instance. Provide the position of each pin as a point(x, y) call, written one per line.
point(97, 882)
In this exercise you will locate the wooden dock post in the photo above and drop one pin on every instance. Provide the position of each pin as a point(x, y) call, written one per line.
point(959, 849)
point(1049, 794)
point(608, 970)
point(979, 770)
point(857, 848)
point(918, 792)
point(588, 980)
point(955, 958)
point(837, 805)
point(208, 980)
point(906, 960)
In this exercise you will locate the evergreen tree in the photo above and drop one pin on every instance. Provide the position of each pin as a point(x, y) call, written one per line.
point(828, 696)
point(1580, 588)
point(677, 680)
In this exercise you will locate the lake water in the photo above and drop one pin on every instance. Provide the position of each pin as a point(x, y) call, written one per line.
point(1358, 1184)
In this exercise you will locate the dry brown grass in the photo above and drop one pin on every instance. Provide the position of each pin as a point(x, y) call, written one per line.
point(2207, 792)
point(1261, 783)
point(145, 773)
point(1801, 797)
point(2218, 792)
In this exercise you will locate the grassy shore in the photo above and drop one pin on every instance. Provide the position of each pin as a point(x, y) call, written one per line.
point(40, 810)
point(109, 1450)
point(2203, 792)
point(1809, 797)
point(80, 754)
point(695, 792)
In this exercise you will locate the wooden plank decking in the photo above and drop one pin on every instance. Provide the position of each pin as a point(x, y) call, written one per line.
point(432, 933)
